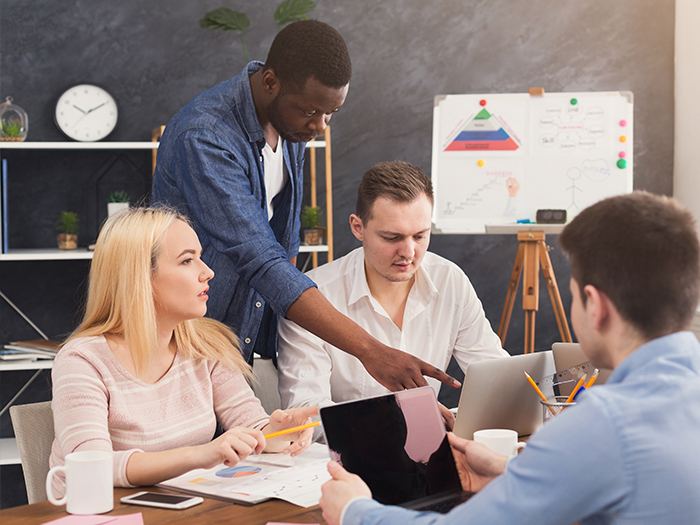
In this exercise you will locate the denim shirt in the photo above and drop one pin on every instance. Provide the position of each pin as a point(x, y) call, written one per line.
point(628, 452)
point(210, 167)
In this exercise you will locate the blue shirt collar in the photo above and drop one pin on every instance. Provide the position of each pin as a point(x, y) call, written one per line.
point(661, 347)
point(247, 114)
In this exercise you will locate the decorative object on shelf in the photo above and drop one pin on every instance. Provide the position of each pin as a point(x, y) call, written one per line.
point(68, 224)
point(311, 217)
point(14, 122)
point(228, 20)
point(117, 201)
point(86, 113)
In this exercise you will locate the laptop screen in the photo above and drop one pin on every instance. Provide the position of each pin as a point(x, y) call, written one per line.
point(396, 443)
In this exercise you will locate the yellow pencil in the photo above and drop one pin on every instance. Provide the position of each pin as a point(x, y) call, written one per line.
point(573, 392)
point(293, 429)
point(592, 379)
point(539, 392)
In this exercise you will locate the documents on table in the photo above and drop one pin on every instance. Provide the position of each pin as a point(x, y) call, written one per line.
point(297, 480)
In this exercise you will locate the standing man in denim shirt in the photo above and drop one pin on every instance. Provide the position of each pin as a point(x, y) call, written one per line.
point(232, 159)
point(628, 451)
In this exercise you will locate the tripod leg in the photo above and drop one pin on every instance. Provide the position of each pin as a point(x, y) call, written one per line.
point(510, 296)
point(530, 331)
point(551, 280)
point(531, 292)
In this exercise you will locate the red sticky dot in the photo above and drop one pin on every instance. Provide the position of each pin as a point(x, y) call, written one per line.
point(482, 102)
point(623, 154)
point(623, 123)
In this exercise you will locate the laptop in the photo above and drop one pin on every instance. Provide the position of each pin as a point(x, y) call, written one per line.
point(568, 355)
point(496, 394)
point(398, 445)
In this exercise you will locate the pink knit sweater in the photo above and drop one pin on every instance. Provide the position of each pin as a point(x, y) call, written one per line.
point(99, 405)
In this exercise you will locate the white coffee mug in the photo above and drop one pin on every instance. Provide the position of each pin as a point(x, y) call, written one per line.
point(89, 483)
point(502, 441)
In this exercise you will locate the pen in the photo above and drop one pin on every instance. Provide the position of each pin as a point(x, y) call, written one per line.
point(293, 429)
point(539, 392)
point(578, 385)
point(592, 379)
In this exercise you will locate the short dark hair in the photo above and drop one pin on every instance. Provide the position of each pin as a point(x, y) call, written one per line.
point(397, 181)
point(642, 251)
point(309, 48)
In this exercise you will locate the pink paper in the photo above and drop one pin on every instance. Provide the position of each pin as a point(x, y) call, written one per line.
point(127, 519)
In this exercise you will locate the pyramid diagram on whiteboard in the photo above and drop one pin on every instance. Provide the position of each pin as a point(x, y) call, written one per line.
point(485, 132)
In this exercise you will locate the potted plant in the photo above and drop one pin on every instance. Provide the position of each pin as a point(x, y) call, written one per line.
point(117, 201)
point(68, 225)
point(311, 217)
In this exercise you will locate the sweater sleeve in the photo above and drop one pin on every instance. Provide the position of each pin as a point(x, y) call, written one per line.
point(80, 410)
point(234, 402)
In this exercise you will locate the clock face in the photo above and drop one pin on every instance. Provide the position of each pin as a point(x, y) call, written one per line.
point(86, 113)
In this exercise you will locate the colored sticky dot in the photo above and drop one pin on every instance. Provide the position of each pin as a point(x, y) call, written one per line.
point(622, 164)
point(622, 154)
point(623, 138)
point(623, 123)
point(574, 101)
point(482, 102)
point(480, 162)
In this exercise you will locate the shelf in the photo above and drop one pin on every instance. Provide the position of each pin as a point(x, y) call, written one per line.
point(79, 145)
point(9, 454)
point(305, 248)
point(54, 254)
point(26, 364)
point(106, 145)
point(45, 254)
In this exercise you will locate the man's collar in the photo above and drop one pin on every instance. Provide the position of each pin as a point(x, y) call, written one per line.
point(246, 111)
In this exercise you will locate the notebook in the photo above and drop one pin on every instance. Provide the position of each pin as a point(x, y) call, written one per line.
point(496, 394)
point(398, 445)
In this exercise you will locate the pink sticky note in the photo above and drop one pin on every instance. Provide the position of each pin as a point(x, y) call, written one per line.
point(127, 519)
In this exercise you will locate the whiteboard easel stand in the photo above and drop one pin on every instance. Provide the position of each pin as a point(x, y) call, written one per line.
point(533, 252)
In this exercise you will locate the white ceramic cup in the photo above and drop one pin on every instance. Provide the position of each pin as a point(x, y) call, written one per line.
point(89, 483)
point(502, 441)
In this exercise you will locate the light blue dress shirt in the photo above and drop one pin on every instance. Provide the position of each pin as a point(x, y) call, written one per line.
point(629, 452)
point(210, 167)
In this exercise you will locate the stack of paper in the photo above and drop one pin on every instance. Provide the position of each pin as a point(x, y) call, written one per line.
point(33, 349)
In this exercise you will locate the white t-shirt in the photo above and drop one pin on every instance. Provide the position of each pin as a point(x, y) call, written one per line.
point(275, 174)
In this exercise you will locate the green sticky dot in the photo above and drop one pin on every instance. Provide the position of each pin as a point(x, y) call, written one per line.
point(574, 101)
point(622, 164)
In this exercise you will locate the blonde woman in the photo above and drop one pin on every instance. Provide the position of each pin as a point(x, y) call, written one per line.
point(145, 375)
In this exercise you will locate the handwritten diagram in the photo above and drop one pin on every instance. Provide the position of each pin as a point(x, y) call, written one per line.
point(499, 158)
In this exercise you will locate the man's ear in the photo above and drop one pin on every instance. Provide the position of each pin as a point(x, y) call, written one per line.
point(270, 83)
point(357, 227)
point(597, 308)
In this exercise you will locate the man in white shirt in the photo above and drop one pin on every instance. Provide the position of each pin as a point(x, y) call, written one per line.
point(392, 287)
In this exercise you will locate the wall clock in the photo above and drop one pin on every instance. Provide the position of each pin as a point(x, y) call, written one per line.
point(86, 113)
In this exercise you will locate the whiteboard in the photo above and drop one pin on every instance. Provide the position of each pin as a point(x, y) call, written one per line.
point(499, 158)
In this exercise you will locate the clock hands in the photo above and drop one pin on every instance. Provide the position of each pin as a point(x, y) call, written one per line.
point(96, 107)
point(81, 110)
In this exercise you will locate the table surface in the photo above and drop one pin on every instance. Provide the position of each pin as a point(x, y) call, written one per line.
point(210, 512)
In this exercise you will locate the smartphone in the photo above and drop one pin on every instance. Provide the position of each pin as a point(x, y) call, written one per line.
point(163, 501)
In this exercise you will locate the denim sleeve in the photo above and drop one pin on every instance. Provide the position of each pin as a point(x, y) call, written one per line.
point(222, 187)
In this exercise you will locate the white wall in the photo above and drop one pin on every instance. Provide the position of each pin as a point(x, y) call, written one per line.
point(686, 159)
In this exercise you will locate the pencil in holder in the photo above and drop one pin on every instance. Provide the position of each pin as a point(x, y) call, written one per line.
point(551, 408)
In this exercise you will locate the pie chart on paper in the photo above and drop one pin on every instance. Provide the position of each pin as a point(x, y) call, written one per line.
point(238, 472)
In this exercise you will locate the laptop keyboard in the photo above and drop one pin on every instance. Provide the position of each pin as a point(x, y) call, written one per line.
point(446, 505)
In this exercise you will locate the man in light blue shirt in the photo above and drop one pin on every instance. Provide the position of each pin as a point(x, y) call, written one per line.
point(629, 451)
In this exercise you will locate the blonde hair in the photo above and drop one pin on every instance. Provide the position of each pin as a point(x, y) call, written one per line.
point(120, 297)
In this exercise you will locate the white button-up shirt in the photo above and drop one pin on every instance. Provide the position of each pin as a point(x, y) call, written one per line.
point(443, 318)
